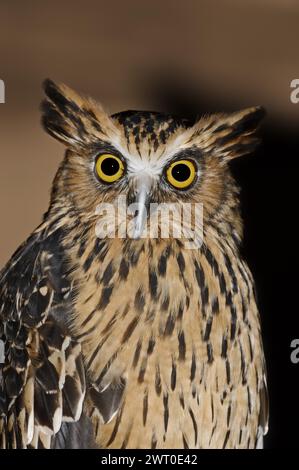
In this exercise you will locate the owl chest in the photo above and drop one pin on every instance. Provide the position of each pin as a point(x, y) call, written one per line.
point(155, 326)
point(132, 309)
point(148, 309)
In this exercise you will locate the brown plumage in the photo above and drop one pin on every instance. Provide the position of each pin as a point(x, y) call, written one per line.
point(134, 343)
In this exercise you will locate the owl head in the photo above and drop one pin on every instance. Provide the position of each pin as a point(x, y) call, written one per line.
point(146, 158)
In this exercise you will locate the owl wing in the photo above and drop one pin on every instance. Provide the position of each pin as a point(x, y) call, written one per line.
point(42, 380)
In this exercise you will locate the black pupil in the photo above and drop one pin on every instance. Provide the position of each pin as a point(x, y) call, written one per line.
point(110, 166)
point(181, 172)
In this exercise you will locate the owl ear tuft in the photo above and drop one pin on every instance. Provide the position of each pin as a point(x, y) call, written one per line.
point(61, 113)
point(72, 119)
point(234, 134)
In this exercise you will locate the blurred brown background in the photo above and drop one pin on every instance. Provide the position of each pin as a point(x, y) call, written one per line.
point(131, 54)
point(187, 57)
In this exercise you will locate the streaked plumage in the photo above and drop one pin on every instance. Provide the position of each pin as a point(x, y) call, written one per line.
point(126, 343)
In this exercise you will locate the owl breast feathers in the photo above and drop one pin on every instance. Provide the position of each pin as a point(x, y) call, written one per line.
point(134, 340)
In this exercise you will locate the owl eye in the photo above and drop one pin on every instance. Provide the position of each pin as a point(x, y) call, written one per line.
point(109, 168)
point(181, 174)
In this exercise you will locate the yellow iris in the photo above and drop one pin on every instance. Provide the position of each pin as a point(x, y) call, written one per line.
point(109, 168)
point(181, 174)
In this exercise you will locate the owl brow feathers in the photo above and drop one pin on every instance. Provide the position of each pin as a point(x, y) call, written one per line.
point(73, 120)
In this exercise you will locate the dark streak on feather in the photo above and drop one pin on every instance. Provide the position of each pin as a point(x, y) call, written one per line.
point(105, 297)
point(153, 283)
point(215, 306)
point(185, 442)
point(166, 411)
point(249, 400)
point(229, 409)
point(142, 370)
point(227, 366)
point(182, 346)
point(151, 345)
point(123, 269)
point(226, 439)
point(145, 407)
point(193, 367)
point(210, 353)
point(137, 353)
point(224, 347)
point(158, 385)
point(182, 401)
point(139, 301)
point(108, 273)
point(233, 322)
point(130, 329)
point(199, 275)
point(194, 425)
point(173, 376)
point(208, 329)
point(154, 441)
point(181, 262)
point(170, 324)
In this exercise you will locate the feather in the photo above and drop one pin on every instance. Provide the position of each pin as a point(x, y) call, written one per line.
point(43, 370)
point(109, 400)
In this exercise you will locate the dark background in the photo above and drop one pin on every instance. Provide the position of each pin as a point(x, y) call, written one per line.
point(188, 57)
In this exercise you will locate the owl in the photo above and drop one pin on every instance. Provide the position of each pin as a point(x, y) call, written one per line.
point(119, 334)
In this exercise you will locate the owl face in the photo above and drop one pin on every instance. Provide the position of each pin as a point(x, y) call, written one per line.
point(144, 159)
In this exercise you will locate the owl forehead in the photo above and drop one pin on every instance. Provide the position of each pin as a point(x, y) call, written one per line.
point(149, 139)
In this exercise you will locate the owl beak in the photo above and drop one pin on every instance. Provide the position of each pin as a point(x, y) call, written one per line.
point(142, 203)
